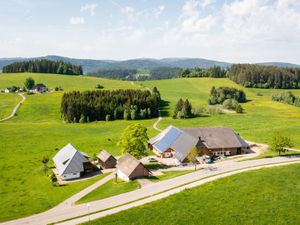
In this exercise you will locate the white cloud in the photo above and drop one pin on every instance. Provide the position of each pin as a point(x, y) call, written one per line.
point(158, 11)
point(89, 8)
point(130, 13)
point(76, 20)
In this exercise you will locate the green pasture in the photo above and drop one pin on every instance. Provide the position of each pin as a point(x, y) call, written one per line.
point(38, 131)
point(265, 196)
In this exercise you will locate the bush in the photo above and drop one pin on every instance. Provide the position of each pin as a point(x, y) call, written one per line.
point(219, 95)
point(99, 86)
point(107, 117)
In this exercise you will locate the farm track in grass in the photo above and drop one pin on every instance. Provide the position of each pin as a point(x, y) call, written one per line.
point(37, 130)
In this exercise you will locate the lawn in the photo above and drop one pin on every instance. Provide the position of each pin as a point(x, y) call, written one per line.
point(38, 131)
point(262, 118)
point(109, 189)
point(265, 196)
point(8, 103)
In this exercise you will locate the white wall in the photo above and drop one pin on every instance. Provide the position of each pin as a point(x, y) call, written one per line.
point(70, 176)
point(122, 176)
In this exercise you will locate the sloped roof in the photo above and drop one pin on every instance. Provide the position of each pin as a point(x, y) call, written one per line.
point(104, 156)
point(127, 164)
point(69, 160)
point(165, 139)
point(183, 145)
point(217, 137)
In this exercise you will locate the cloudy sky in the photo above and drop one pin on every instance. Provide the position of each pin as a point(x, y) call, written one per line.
point(227, 30)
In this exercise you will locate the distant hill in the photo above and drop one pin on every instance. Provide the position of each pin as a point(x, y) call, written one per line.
point(279, 64)
point(92, 65)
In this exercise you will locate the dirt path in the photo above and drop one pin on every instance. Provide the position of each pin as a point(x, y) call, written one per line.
point(15, 109)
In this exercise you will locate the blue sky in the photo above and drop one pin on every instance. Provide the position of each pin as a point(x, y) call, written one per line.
point(230, 30)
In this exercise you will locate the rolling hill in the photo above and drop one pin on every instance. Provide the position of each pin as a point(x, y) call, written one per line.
point(92, 65)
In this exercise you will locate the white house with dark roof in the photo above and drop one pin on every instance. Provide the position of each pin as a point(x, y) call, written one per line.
point(71, 163)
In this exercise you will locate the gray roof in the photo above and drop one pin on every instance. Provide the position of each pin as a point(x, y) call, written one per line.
point(165, 139)
point(69, 160)
point(104, 156)
point(127, 164)
point(217, 137)
point(175, 139)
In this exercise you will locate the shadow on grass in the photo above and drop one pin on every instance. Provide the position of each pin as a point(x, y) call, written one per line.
point(164, 107)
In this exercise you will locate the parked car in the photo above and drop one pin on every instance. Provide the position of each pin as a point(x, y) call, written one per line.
point(152, 160)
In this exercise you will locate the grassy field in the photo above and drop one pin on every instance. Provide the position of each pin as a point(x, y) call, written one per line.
point(262, 118)
point(266, 196)
point(7, 103)
point(38, 130)
point(169, 174)
point(110, 189)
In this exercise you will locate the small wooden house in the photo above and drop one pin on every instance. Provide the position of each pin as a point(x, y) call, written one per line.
point(106, 160)
point(129, 168)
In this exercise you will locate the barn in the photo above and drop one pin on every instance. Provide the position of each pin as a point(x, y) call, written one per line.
point(129, 168)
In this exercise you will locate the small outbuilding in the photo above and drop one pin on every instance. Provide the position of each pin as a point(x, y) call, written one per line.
point(39, 88)
point(71, 163)
point(106, 160)
point(129, 168)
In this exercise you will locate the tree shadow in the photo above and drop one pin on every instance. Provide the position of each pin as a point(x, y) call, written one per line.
point(164, 108)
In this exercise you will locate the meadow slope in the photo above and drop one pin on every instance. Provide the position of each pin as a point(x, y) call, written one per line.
point(38, 131)
point(265, 196)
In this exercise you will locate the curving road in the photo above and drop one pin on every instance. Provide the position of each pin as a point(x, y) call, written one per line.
point(149, 193)
point(15, 109)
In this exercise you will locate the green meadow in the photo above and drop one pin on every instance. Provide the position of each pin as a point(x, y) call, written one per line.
point(7, 103)
point(265, 196)
point(38, 131)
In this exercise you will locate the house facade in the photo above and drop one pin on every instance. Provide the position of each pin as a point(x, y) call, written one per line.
point(129, 168)
point(71, 163)
point(106, 160)
point(39, 88)
point(177, 143)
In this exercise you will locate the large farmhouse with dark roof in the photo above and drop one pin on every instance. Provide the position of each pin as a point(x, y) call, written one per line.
point(177, 143)
point(71, 163)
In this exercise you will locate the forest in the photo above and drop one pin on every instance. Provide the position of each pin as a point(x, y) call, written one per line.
point(119, 74)
point(215, 72)
point(259, 76)
point(220, 94)
point(109, 105)
point(43, 66)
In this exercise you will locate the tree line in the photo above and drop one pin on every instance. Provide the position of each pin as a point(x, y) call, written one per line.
point(220, 94)
point(286, 97)
point(43, 66)
point(215, 71)
point(108, 105)
point(183, 109)
point(260, 76)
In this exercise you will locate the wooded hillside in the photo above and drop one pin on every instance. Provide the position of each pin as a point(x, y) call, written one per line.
point(258, 76)
point(43, 66)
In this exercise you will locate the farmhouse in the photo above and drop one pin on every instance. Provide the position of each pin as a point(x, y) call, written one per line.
point(172, 143)
point(8, 90)
point(39, 88)
point(217, 141)
point(71, 163)
point(129, 168)
point(177, 143)
point(106, 160)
